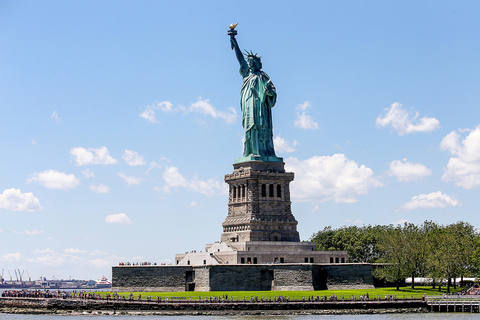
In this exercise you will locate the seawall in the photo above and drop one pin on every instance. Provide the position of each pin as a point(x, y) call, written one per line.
point(83, 306)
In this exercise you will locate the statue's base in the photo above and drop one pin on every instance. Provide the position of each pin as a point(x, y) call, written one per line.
point(259, 158)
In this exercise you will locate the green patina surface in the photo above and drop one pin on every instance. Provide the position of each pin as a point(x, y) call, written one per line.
point(257, 98)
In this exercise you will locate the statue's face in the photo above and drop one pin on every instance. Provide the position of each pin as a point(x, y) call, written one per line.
point(253, 64)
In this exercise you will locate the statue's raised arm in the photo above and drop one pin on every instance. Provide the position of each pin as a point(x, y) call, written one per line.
point(234, 44)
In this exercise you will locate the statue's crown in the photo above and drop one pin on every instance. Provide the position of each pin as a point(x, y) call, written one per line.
point(252, 55)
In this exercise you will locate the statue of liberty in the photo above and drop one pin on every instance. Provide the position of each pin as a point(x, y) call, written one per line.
point(257, 98)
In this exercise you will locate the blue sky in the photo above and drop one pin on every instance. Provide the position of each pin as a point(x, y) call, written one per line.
point(119, 120)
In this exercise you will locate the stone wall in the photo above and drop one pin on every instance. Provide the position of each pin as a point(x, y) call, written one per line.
point(348, 276)
point(248, 277)
point(149, 278)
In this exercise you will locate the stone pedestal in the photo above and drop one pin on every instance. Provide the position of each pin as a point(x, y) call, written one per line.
point(259, 207)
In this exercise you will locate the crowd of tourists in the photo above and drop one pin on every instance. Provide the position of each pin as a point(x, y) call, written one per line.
point(24, 293)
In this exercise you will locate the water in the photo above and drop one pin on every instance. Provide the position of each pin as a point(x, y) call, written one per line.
point(398, 316)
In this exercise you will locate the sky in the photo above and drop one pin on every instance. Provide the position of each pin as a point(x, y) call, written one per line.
point(119, 120)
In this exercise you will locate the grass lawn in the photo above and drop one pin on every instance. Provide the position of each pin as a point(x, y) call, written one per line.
point(418, 292)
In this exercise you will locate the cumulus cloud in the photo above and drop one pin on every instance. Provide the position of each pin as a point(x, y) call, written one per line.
point(33, 232)
point(12, 257)
point(408, 171)
point(283, 146)
point(120, 218)
point(101, 188)
point(400, 222)
point(14, 200)
point(204, 106)
point(174, 179)
point(463, 167)
point(149, 113)
point(431, 201)
point(303, 120)
point(52, 179)
point(201, 106)
point(330, 178)
point(405, 122)
point(91, 156)
point(130, 180)
point(132, 158)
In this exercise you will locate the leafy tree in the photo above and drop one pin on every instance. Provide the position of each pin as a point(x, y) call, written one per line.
point(392, 243)
point(359, 242)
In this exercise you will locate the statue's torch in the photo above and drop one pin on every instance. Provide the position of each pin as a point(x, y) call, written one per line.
point(232, 32)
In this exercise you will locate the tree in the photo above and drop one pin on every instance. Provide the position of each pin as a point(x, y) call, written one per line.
point(359, 242)
point(392, 244)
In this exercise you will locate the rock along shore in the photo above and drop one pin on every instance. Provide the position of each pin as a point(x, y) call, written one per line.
point(83, 306)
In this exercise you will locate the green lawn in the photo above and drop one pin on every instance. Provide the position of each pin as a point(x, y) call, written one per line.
point(418, 292)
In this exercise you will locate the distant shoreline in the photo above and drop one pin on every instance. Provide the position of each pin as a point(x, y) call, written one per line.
point(90, 306)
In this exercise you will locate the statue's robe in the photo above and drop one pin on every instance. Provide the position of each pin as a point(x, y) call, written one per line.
point(256, 112)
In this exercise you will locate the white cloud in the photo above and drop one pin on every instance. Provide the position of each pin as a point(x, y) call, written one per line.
point(283, 146)
point(38, 251)
point(101, 188)
point(464, 165)
point(431, 201)
point(70, 257)
point(33, 142)
point(12, 257)
point(149, 113)
point(53, 179)
point(408, 171)
point(120, 218)
point(400, 222)
point(174, 179)
point(55, 116)
point(330, 178)
point(74, 251)
point(56, 259)
point(100, 263)
point(404, 122)
point(87, 173)
point(303, 120)
point(33, 232)
point(91, 156)
point(14, 200)
point(201, 106)
point(98, 253)
point(130, 180)
point(132, 158)
point(204, 106)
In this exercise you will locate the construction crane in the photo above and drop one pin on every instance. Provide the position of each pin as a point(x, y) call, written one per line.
point(29, 279)
point(2, 275)
point(16, 276)
point(20, 275)
point(9, 275)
